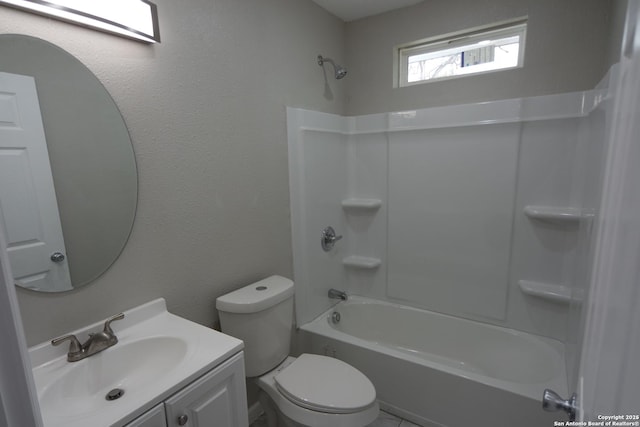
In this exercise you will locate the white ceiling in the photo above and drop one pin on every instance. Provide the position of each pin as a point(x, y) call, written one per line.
point(350, 10)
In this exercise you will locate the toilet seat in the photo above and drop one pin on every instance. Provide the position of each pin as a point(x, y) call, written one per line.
point(325, 384)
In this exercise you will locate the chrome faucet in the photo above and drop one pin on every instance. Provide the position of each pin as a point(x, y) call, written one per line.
point(95, 344)
point(336, 294)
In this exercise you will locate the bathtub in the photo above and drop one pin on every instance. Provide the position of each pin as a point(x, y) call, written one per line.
point(439, 370)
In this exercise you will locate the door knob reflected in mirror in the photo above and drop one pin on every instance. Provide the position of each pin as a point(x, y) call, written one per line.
point(57, 257)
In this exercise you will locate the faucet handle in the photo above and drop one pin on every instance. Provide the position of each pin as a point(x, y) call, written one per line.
point(107, 324)
point(74, 345)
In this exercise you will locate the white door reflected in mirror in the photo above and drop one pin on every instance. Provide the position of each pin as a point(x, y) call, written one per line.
point(28, 207)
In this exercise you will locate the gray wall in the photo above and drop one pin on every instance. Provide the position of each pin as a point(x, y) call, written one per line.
point(565, 51)
point(206, 113)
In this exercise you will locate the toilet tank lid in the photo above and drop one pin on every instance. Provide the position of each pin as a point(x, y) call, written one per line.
point(257, 296)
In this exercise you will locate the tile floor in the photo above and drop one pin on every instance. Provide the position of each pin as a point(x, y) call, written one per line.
point(388, 420)
point(384, 420)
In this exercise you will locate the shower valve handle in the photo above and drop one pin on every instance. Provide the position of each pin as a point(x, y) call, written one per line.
point(329, 238)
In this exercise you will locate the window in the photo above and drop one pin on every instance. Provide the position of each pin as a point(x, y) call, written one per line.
point(474, 51)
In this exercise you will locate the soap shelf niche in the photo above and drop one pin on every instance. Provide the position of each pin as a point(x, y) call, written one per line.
point(367, 206)
point(554, 214)
point(361, 204)
point(362, 262)
point(548, 291)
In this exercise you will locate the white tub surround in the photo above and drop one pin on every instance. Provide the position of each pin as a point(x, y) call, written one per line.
point(435, 369)
point(440, 203)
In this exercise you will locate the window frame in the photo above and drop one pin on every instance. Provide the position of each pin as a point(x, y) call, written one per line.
point(402, 53)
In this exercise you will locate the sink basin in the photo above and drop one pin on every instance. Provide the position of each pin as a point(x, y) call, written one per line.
point(157, 354)
point(130, 367)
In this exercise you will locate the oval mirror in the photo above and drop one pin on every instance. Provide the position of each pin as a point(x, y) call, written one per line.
point(68, 179)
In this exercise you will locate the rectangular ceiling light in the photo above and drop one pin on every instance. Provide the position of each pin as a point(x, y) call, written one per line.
point(136, 19)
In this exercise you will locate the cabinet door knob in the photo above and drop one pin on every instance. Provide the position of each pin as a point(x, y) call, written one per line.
point(182, 420)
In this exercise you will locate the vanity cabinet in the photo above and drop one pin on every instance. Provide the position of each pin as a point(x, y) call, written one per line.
point(152, 418)
point(218, 398)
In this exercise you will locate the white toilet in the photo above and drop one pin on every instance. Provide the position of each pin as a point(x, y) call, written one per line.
point(310, 390)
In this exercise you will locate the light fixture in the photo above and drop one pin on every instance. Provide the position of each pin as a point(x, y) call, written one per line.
point(136, 19)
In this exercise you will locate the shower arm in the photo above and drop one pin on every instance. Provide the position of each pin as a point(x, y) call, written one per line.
point(322, 60)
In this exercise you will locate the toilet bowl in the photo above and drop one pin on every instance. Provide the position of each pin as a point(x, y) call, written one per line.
point(310, 390)
point(302, 392)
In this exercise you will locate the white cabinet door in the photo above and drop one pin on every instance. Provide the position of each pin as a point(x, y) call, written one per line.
point(217, 399)
point(152, 418)
point(28, 206)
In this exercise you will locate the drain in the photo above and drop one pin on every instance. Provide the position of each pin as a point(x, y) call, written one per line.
point(335, 317)
point(114, 394)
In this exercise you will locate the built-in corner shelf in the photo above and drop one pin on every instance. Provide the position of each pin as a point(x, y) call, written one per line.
point(363, 262)
point(555, 293)
point(553, 214)
point(361, 204)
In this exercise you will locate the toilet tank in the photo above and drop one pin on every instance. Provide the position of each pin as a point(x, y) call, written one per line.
point(261, 315)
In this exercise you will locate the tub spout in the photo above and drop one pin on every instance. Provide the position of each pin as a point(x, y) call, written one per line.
point(336, 294)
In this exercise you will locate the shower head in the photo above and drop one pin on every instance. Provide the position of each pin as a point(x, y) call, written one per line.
point(339, 70)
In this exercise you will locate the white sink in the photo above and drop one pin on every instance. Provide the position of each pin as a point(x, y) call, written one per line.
point(157, 354)
point(129, 366)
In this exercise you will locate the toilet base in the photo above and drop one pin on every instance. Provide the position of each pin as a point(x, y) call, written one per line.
point(275, 418)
